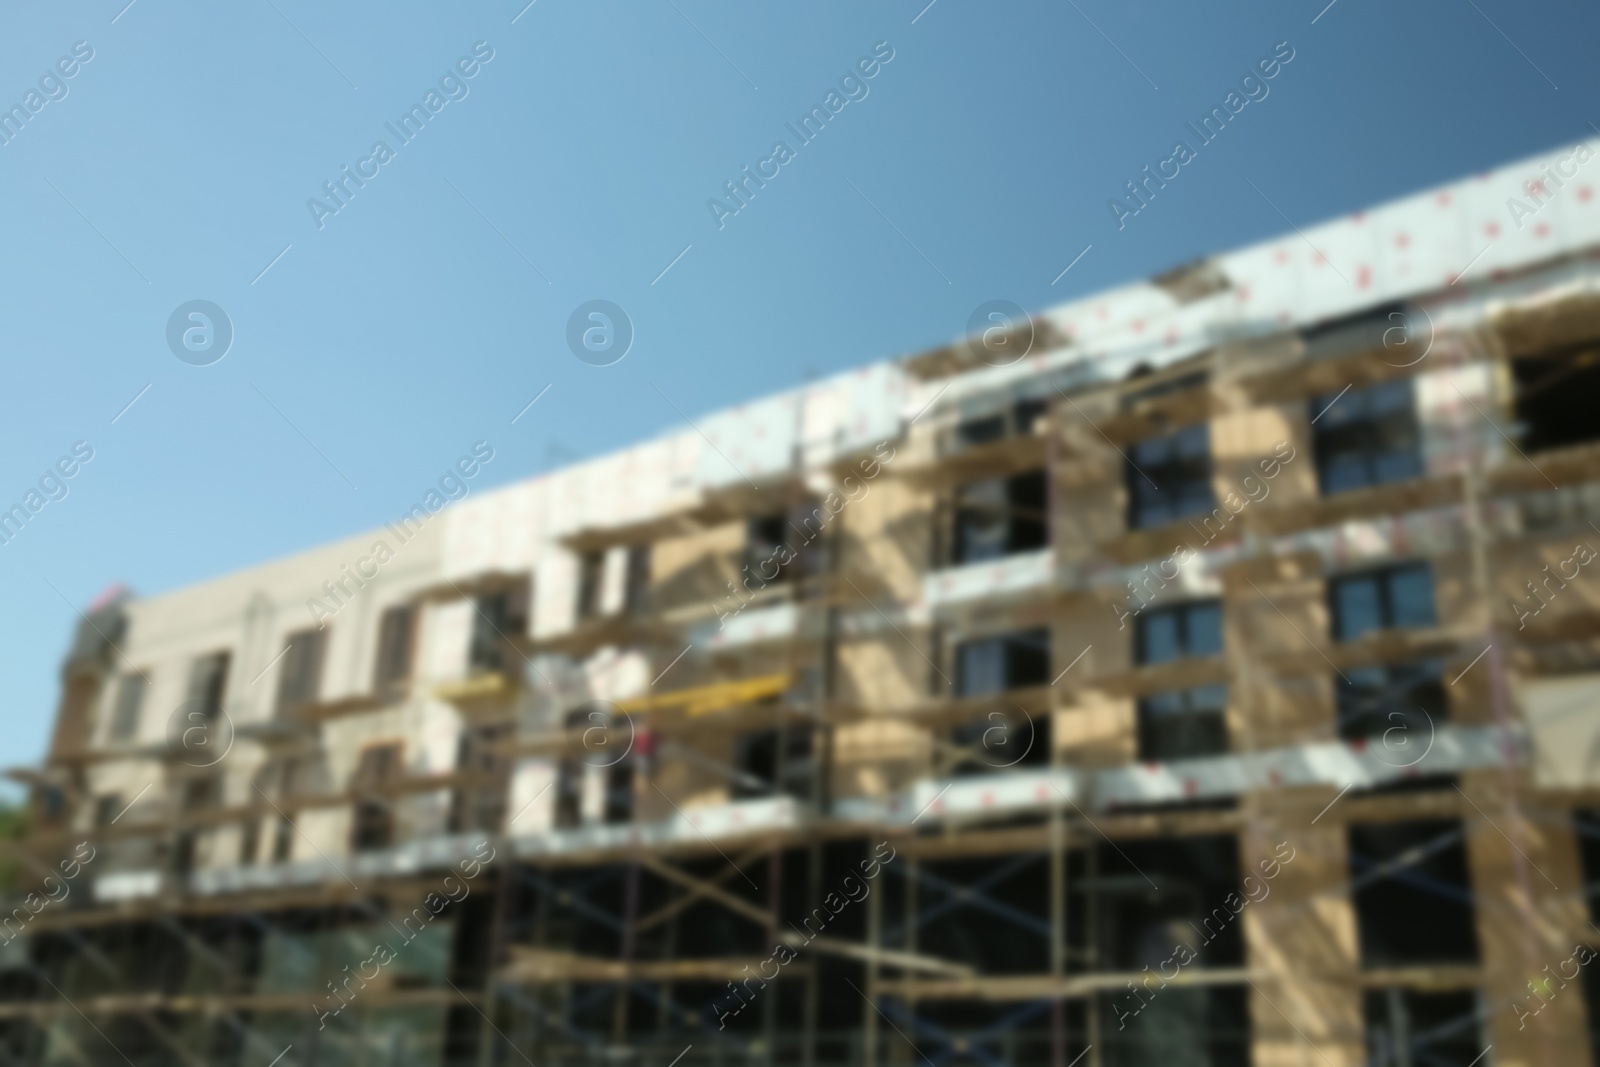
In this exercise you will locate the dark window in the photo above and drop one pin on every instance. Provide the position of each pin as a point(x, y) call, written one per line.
point(1366, 437)
point(636, 589)
point(283, 838)
point(1169, 478)
point(396, 632)
point(571, 772)
point(763, 769)
point(499, 618)
point(1018, 420)
point(197, 794)
point(1009, 661)
point(182, 855)
point(1586, 821)
point(1555, 398)
point(1184, 723)
point(374, 815)
point(287, 773)
point(52, 805)
point(763, 536)
point(1398, 597)
point(130, 702)
point(374, 825)
point(107, 808)
point(938, 654)
point(249, 842)
point(1138, 926)
point(1414, 1026)
point(300, 676)
point(591, 583)
point(1026, 413)
point(1377, 700)
point(1000, 516)
point(619, 791)
point(1413, 897)
point(1179, 631)
point(569, 793)
point(480, 807)
point(981, 431)
point(208, 682)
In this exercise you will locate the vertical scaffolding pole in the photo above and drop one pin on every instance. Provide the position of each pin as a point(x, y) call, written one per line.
point(769, 1007)
point(869, 1027)
point(1091, 946)
point(902, 1053)
point(1500, 699)
point(1058, 858)
point(503, 875)
point(808, 1037)
point(1058, 930)
point(630, 910)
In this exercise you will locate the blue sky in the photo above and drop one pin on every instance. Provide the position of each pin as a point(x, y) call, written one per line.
point(434, 305)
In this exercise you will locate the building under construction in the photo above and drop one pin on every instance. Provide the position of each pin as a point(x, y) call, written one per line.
point(1205, 672)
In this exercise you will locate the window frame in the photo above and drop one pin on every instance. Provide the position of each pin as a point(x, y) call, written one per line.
point(1366, 434)
point(1183, 615)
point(1022, 524)
point(300, 676)
point(1385, 577)
point(1009, 643)
point(123, 724)
point(390, 679)
point(1149, 505)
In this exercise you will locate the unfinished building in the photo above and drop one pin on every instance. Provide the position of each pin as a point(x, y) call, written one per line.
point(1205, 672)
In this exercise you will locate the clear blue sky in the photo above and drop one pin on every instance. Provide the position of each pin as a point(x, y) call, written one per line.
point(408, 327)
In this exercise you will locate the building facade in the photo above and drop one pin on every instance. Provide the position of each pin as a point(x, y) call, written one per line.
point(1203, 672)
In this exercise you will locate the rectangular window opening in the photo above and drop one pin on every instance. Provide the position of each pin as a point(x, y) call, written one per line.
point(1395, 597)
point(1366, 437)
point(1169, 478)
point(1016, 660)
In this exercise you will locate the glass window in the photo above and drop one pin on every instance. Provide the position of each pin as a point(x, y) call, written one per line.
point(980, 522)
point(762, 772)
point(1390, 598)
point(1179, 631)
point(1411, 597)
point(1357, 606)
point(373, 824)
point(208, 681)
point(1412, 894)
point(1183, 724)
point(766, 546)
point(1378, 699)
point(107, 808)
point(636, 589)
point(498, 619)
point(395, 635)
point(1000, 516)
point(1169, 478)
point(591, 578)
point(1366, 437)
point(1009, 661)
point(130, 702)
point(301, 674)
point(1017, 420)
